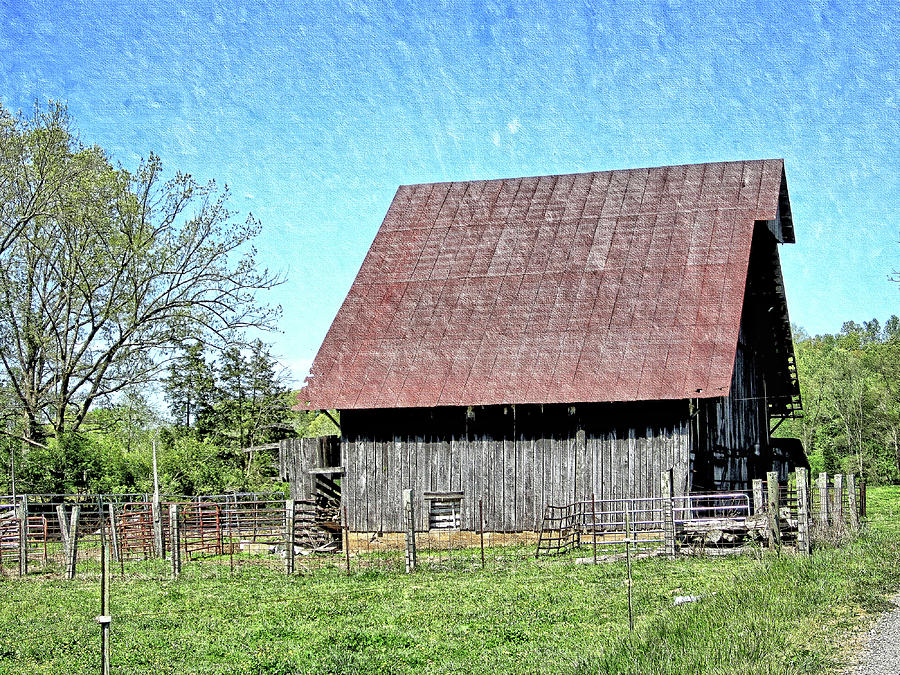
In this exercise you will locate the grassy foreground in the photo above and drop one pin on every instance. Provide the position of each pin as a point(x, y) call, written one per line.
point(776, 614)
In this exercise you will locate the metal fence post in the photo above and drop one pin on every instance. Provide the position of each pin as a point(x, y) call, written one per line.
point(104, 619)
point(802, 478)
point(409, 526)
point(772, 507)
point(289, 525)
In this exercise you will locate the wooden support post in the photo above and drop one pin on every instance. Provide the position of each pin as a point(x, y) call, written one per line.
point(772, 507)
point(862, 498)
point(852, 505)
point(668, 496)
point(802, 480)
point(346, 528)
point(22, 522)
point(159, 549)
point(758, 501)
point(113, 535)
point(175, 540)
point(824, 511)
point(409, 527)
point(69, 532)
point(481, 529)
point(837, 506)
point(290, 519)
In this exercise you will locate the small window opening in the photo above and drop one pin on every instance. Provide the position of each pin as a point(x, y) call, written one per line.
point(444, 510)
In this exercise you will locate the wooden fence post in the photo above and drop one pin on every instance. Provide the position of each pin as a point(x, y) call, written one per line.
point(175, 540)
point(772, 509)
point(758, 502)
point(668, 495)
point(22, 522)
point(802, 479)
point(410, 527)
point(113, 534)
point(822, 487)
point(69, 532)
point(852, 504)
point(862, 498)
point(159, 549)
point(837, 506)
point(290, 519)
point(345, 526)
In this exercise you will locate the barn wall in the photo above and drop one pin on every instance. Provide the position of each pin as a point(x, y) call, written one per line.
point(516, 459)
point(297, 456)
point(731, 430)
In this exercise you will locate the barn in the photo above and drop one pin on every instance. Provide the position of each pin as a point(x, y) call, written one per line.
point(532, 341)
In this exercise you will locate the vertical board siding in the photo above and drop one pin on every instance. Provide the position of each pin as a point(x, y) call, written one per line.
point(546, 457)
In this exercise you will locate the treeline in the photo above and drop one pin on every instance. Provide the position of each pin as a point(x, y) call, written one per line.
point(222, 408)
point(850, 385)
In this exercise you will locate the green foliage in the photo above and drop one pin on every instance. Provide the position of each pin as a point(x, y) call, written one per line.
point(850, 384)
point(321, 424)
point(103, 270)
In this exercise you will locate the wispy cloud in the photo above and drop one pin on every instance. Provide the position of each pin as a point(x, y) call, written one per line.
point(514, 125)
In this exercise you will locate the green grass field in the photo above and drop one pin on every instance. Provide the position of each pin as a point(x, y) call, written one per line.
point(774, 614)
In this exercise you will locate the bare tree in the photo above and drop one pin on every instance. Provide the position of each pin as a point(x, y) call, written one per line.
point(105, 271)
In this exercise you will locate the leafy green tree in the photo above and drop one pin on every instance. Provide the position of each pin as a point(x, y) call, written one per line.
point(851, 399)
point(103, 271)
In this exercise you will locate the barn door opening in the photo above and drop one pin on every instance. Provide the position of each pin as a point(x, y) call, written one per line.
point(312, 467)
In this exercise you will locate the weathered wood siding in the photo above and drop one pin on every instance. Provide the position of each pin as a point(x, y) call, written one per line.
point(516, 459)
point(730, 439)
point(297, 456)
point(730, 431)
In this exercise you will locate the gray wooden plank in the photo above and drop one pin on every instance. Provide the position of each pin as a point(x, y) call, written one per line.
point(509, 482)
point(519, 496)
point(423, 480)
point(489, 483)
point(580, 486)
point(632, 462)
point(526, 443)
point(377, 488)
point(350, 483)
point(397, 466)
point(571, 450)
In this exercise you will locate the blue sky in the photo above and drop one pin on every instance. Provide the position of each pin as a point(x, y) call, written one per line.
point(313, 116)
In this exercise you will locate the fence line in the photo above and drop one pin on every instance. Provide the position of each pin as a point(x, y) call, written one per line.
point(266, 530)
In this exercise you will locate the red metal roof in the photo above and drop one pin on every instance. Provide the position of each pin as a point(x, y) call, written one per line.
point(607, 286)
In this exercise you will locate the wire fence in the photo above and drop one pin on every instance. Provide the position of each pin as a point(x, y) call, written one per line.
point(61, 534)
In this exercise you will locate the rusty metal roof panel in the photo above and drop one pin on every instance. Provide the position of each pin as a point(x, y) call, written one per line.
point(606, 286)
